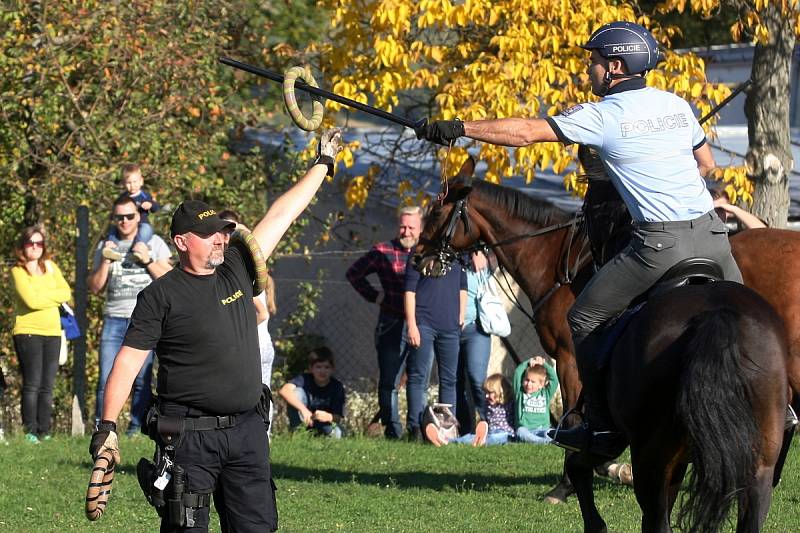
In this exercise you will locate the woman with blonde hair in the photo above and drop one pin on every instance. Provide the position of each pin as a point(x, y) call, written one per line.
point(40, 289)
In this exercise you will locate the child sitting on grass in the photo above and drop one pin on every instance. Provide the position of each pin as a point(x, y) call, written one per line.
point(498, 426)
point(535, 383)
point(315, 398)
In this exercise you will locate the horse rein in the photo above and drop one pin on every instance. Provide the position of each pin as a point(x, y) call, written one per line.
point(446, 255)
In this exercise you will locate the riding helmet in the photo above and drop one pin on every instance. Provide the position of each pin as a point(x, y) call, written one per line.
point(628, 41)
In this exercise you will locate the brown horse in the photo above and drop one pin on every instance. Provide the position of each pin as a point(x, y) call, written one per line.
point(550, 268)
point(770, 263)
point(746, 334)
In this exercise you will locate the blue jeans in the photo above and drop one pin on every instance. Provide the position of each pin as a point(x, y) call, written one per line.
point(444, 345)
point(114, 329)
point(392, 349)
point(498, 437)
point(326, 429)
point(473, 364)
point(534, 436)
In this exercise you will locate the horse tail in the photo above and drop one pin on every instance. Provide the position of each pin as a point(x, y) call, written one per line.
point(714, 404)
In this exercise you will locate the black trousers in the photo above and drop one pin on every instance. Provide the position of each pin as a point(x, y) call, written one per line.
point(38, 360)
point(233, 464)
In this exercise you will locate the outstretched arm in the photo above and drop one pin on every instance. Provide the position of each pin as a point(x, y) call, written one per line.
point(510, 131)
point(748, 220)
point(501, 131)
point(289, 205)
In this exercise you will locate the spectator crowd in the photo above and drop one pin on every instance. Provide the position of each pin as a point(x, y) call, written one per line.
point(420, 320)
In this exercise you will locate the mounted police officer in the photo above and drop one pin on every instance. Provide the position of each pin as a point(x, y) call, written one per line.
point(211, 411)
point(656, 154)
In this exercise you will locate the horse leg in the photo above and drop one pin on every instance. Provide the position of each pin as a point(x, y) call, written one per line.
point(580, 468)
point(570, 388)
point(565, 487)
point(754, 501)
point(675, 485)
point(652, 485)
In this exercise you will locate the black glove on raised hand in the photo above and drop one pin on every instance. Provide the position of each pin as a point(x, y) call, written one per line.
point(440, 131)
point(105, 438)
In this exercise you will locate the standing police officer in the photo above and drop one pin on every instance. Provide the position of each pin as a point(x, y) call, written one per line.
point(656, 154)
point(201, 322)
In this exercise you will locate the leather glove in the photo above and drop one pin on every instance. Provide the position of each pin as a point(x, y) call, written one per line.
point(105, 438)
point(440, 131)
point(330, 144)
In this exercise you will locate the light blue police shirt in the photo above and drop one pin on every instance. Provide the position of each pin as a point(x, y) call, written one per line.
point(646, 138)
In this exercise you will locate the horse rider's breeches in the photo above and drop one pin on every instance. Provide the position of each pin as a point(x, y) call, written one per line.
point(654, 249)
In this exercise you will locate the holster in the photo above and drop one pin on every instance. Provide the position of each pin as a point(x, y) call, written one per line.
point(264, 405)
point(176, 512)
point(146, 474)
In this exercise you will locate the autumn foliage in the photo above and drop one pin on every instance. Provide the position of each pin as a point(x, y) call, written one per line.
point(480, 59)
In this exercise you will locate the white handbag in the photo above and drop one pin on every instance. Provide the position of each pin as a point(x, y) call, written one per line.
point(492, 315)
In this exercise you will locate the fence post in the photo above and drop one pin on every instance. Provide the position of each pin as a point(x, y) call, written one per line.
point(81, 300)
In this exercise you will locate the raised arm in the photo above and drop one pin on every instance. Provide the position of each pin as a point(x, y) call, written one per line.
point(289, 205)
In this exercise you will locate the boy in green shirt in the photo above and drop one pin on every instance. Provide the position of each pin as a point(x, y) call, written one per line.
point(535, 383)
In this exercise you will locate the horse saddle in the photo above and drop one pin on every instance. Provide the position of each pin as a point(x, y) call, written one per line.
point(691, 271)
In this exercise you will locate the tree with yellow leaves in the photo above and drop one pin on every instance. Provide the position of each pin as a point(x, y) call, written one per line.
point(480, 59)
point(773, 26)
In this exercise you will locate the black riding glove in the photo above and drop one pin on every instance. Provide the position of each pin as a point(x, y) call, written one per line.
point(104, 437)
point(440, 131)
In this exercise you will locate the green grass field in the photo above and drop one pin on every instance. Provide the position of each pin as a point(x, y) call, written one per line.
point(349, 485)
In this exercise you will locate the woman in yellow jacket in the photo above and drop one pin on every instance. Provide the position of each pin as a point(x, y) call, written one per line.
point(40, 290)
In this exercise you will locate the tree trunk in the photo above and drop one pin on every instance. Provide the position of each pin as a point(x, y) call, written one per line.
point(769, 156)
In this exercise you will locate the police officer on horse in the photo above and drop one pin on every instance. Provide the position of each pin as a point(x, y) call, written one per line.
point(656, 154)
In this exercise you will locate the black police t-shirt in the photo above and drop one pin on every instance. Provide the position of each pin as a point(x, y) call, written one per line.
point(203, 330)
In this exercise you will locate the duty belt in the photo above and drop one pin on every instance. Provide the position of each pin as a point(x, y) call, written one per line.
point(204, 423)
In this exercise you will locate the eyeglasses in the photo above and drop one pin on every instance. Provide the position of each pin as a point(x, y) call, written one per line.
point(126, 216)
point(34, 244)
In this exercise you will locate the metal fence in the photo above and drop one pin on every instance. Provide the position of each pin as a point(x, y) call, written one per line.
point(345, 323)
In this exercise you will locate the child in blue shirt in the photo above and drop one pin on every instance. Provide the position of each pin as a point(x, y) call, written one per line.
point(316, 398)
point(133, 182)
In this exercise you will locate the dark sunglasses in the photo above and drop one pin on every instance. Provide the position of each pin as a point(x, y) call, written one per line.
point(127, 216)
point(34, 244)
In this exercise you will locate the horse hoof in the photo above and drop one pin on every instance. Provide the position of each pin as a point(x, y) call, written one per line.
point(621, 472)
point(552, 500)
point(556, 496)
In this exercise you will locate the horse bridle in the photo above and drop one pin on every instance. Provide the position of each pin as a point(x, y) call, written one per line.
point(446, 255)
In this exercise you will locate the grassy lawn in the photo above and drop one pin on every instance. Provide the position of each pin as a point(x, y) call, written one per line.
point(350, 485)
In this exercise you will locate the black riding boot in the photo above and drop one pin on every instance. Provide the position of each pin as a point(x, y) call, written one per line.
point(597, 433)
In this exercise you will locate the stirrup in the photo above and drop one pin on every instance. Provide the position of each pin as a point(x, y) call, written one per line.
point(561, 421)
point(791, 419)
point(552, 433)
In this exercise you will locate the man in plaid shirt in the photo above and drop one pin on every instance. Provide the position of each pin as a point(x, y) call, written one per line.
point(388, 260)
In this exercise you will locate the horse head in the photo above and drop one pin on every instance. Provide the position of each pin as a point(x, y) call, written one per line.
point(449, 227)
